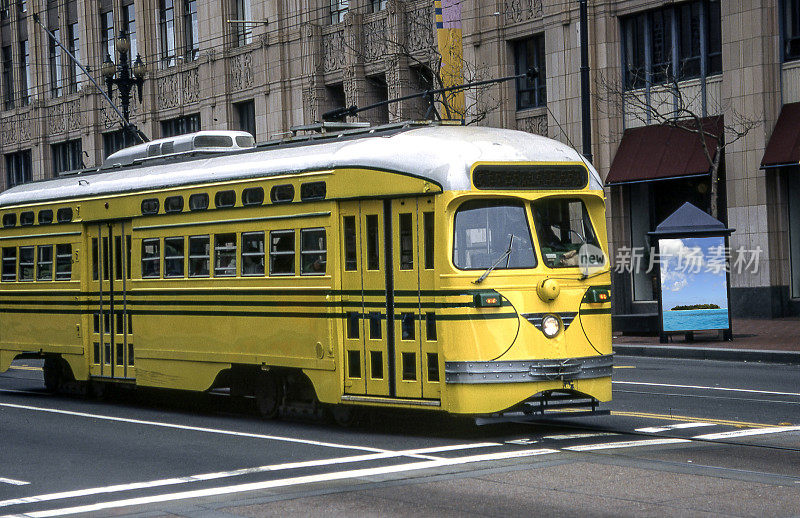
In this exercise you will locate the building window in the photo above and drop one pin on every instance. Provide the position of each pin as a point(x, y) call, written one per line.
point(73, 71)
point(529, 53)
point(67, 156)
point(129, 26)
point(791, 24)
point(56, 78)
point(190, 30)
point(8, 79)
point(339, 9)
point(5, 9)
point(107, 34)
point(180, 125)
point(246, 115)
point(116, 140)
point(19, 168)
point(167, 31)
point(25, 72)
point(243, 31)
point(377, 5)
point(675, 42)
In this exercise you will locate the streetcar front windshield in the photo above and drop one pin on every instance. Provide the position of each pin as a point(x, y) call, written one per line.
point(563, 226)
point(483, 235)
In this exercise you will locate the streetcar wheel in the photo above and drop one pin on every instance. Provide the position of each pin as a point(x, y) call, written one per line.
point(344, 415)
point(268, 396)
point(53, 374)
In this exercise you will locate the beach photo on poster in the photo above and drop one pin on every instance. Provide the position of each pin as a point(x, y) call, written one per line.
point(694, 290)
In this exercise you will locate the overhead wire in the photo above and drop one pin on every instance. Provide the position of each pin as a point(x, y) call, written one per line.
point(206, 44)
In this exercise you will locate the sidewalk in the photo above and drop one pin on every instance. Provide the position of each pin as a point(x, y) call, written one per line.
point(767, 340)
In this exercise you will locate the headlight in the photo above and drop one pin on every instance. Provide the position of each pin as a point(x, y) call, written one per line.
point(550, 326)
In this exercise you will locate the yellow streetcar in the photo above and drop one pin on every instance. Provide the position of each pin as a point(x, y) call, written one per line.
point(434, 266)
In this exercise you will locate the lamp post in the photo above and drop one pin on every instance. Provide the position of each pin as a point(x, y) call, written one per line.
point(125, 77)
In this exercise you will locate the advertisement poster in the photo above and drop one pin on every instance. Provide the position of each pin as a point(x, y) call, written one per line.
point(694, 292)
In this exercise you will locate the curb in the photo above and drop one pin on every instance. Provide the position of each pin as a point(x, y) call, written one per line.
point(708, 353)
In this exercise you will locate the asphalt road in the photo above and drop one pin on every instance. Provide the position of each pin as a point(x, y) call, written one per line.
point(685, 437)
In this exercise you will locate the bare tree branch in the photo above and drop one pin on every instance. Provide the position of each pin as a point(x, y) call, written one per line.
point(672, 104)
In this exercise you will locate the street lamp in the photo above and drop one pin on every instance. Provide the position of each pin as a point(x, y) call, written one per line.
point(125, 77)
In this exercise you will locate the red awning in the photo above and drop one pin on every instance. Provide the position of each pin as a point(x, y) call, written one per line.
point(660, 152)
point(784, 144)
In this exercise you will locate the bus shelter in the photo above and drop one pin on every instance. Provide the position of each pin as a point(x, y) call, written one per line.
point(693, 260)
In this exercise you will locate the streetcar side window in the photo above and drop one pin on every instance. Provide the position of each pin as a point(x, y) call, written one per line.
point(350, 243)
point(26, 265)
point(428, 238)
point(64, 215)
point(492, 232)
point(198, 201)
point(9, 264)
point(282, 193)
point(173, 257)
point(95, 259)
point(44, 263)
point(406, 242)
point(253, 253)
point(199, 256)
point(313, 251)
point(253, 196)
point(150, 206)
point(26, 218)
point(224, 199)
point(225, 255)
point(373, 243)
point(173, 204)
point(151, 258)
point(45, 217)
point(9, 220)
point(313, 191)
point(63, 262)
point(281, 252)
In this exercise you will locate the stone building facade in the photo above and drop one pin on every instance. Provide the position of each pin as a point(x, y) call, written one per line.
point(269, 65)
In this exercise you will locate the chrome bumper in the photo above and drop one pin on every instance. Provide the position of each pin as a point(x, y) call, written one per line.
point(525, 371)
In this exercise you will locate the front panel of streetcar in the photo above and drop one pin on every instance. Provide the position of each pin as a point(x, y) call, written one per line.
point(527, 290)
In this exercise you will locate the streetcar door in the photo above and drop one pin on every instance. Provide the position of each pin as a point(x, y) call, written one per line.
point(416, 353)
point(366, 341)
point(111, 343)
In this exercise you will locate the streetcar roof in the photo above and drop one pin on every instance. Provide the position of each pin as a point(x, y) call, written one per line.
point(441, 154)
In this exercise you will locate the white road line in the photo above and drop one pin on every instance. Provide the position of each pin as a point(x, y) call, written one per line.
point(309, 479)
point(568, 436)
point(751, 431)
point(749, 391)
point(13, 482)
point(196, 428)
point(624, 444)
point(656, 429)
point(238, 472)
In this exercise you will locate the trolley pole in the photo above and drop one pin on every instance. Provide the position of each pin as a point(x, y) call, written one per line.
point(586, 115)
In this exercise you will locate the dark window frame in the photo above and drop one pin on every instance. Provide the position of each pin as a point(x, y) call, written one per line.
point(675, 42)
point(530, 53)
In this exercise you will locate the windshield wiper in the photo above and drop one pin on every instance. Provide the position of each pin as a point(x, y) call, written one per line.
point(506, 254)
